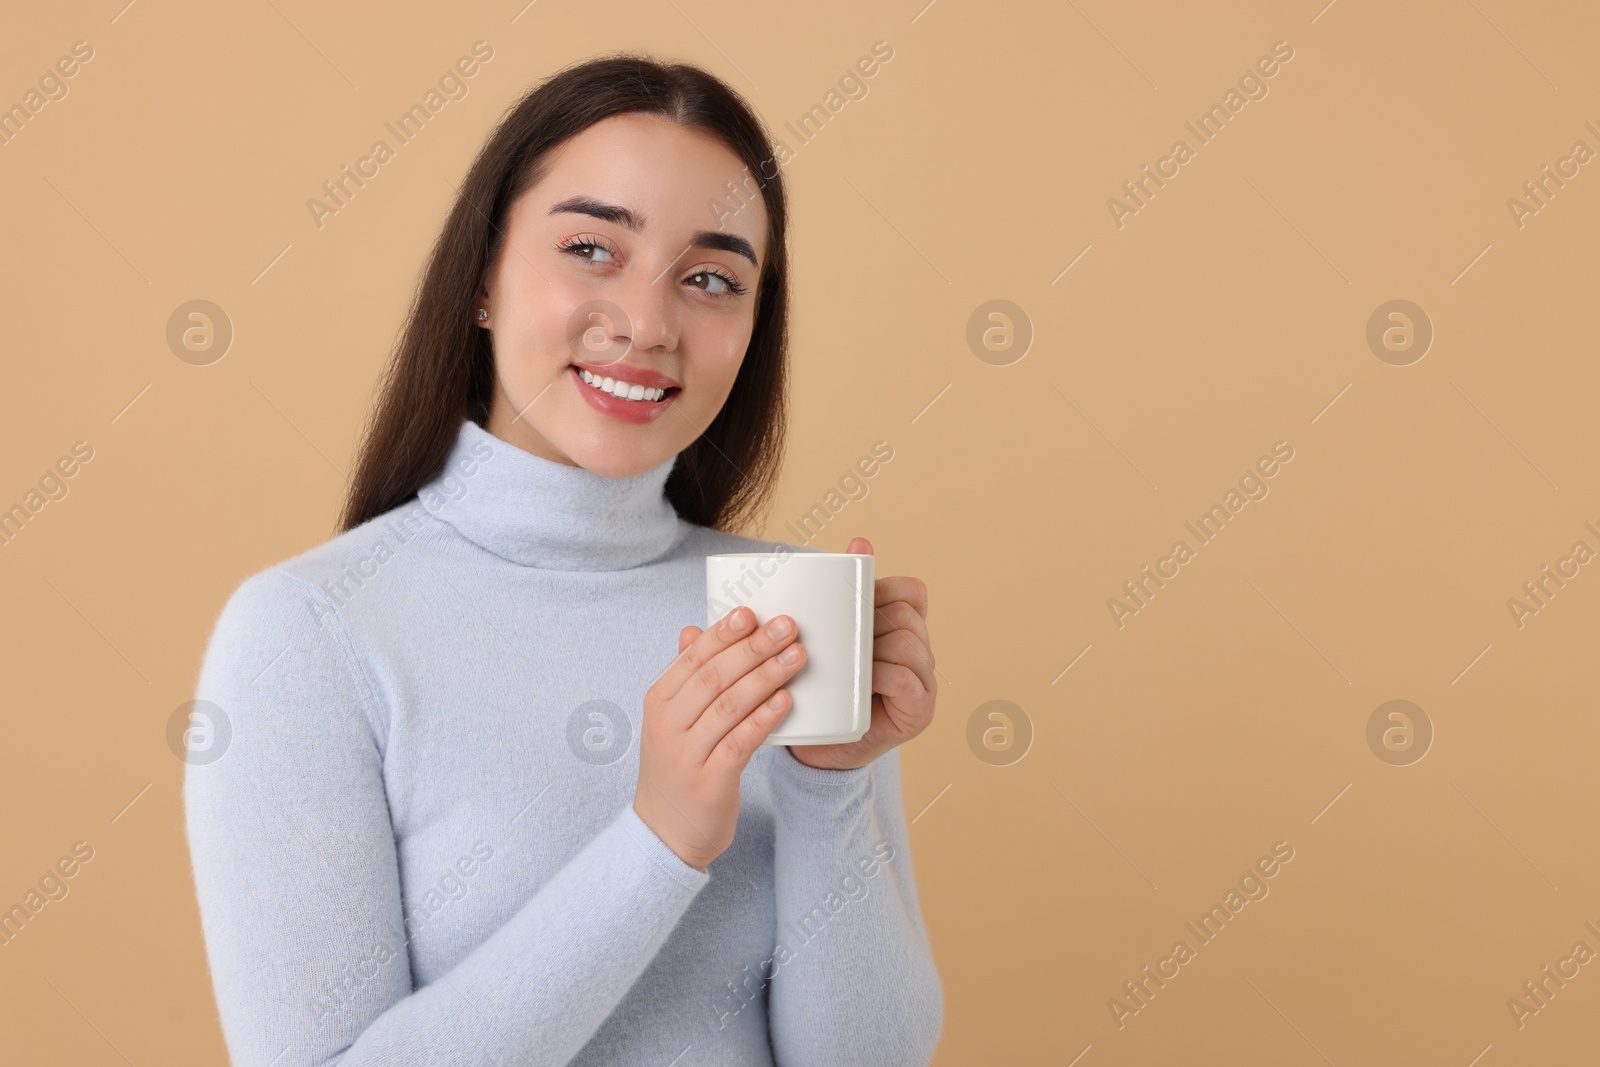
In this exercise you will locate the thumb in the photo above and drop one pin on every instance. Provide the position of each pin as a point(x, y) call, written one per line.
point(860, 545)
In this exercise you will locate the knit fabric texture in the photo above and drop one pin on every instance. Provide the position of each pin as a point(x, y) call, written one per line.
point(412, 825)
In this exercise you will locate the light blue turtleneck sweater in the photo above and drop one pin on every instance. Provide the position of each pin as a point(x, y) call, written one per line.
point(409, 805)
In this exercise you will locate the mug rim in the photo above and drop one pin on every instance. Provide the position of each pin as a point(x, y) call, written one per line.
point(791, 555)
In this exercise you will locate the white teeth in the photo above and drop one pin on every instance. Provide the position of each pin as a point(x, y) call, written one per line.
point(621, 389)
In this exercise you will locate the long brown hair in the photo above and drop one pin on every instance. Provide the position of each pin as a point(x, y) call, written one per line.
point(442, 366)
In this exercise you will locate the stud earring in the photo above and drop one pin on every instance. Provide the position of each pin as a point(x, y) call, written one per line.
point(482, 314)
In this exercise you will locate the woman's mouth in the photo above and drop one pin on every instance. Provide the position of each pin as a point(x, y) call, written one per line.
point(622, 389)
point(625, 401)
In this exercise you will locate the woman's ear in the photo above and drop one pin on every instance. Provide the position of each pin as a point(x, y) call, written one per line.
point(480, 307)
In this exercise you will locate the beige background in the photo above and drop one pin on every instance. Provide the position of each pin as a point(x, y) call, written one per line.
point(1228, 314)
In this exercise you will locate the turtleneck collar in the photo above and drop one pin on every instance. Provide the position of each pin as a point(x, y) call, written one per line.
point(540, 513)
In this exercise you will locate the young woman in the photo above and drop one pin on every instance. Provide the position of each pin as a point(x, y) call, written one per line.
point(466, 807)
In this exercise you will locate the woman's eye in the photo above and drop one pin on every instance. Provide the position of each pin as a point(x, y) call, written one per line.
point(586, 250)
point(713, 279)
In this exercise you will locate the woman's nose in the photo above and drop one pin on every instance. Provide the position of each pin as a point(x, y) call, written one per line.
point(649, 304)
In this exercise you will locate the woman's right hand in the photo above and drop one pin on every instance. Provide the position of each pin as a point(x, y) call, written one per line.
point(704, 717)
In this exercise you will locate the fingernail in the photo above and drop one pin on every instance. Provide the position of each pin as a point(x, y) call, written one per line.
point(789, 656)
point(778, 628)
point(776, 700)
point(737, 620)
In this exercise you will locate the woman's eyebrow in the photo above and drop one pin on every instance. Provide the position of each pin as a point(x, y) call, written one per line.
point(625, 217)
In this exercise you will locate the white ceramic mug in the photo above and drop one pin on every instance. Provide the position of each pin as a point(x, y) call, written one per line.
point(829, 595)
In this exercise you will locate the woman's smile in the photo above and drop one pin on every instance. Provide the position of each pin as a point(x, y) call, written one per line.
point(623, 393)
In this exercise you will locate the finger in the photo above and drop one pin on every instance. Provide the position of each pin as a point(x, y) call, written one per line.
point(901, 648)
point(727, 666)
point(738, 700)
point(896, 682)
point(733, 752)
point(898, 615)
point(686, 637)
point(859, 546)
point(913, 591)
point(726, 631)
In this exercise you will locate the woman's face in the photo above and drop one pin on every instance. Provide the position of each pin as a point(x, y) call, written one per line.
point(631, 260)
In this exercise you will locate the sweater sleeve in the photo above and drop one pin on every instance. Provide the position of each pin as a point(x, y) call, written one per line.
point(298, 882)
point(855, 981)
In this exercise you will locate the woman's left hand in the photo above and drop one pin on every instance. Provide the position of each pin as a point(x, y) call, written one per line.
point(903, 681)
